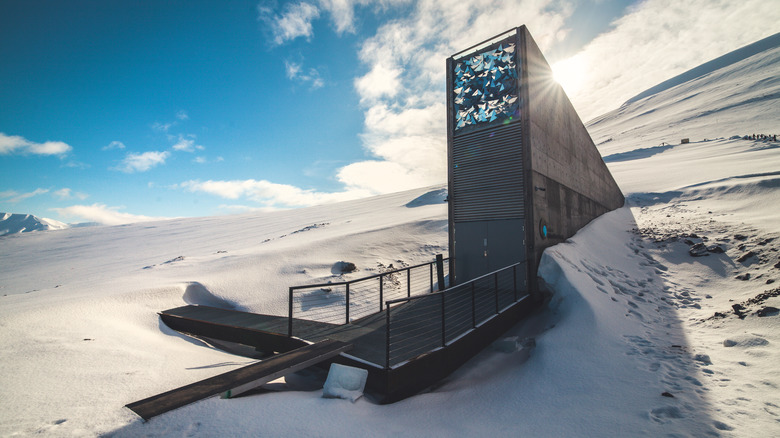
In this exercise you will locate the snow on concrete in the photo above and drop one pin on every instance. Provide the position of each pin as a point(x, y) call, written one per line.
point(653, 327)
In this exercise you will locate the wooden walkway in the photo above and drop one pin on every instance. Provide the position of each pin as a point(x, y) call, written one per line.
point(269, 333)
point(240, 380)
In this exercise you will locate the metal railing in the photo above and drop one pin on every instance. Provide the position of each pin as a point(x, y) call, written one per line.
point(346, 301)
point(420, 324)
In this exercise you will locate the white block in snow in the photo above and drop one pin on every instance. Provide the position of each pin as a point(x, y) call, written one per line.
point(345, 382)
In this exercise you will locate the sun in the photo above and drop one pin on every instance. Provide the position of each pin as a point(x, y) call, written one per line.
point(570, 73)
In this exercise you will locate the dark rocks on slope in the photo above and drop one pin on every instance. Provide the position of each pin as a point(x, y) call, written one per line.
point(698, 250)
point(746, 256)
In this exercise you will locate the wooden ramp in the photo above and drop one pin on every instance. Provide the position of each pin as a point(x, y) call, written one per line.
point(240, 380)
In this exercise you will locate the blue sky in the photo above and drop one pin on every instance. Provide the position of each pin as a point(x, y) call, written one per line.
point(119, 111)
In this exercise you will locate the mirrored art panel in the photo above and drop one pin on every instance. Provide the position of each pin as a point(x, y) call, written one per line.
point(485, 86)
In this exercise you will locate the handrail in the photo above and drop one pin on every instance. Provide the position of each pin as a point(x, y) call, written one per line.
point(326, 309)
point(491, 40)
point(414, 297)
point(451, 313)
point(342, 283)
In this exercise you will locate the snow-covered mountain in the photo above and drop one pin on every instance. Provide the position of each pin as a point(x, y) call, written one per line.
point(737, 94)
point(24, 223)
point(660, 323)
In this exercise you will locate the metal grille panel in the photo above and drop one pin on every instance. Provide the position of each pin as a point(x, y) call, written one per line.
point(487, 174)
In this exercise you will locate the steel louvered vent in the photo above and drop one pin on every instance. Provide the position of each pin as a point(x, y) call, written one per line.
point(487, 174)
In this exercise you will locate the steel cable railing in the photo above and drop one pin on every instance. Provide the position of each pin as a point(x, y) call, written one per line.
point(423, 323)
point(347, 301)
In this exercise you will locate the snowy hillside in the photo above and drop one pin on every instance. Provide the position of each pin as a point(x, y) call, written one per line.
point(737, 94)
point(661, 321)
point(25, 223)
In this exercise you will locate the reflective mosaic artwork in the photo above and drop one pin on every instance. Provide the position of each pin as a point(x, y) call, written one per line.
point(485, 87)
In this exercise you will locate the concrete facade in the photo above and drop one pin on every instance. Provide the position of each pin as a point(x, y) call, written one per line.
point(564, 183)
point(570, 183)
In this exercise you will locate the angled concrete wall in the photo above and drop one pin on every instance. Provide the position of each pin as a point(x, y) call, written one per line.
point(570, 184)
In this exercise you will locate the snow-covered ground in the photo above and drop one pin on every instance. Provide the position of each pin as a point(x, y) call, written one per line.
point(640, 337)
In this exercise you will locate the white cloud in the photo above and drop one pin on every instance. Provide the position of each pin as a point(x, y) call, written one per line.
point(102, 214)
point(659, 39)
point(295, 72)
point(66, 193)
point(16, 144)
point(63, 193)
point(142, 162)
point(342, 13)
point(114, 145)
point(269, 194)
point(293, 69)
point(187, 144)
point(182, 115)
point(162, 127)
point(381, 81)
point(13, 196)
point(294, 21)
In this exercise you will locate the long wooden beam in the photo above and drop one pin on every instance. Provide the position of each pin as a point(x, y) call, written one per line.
point(240, 380)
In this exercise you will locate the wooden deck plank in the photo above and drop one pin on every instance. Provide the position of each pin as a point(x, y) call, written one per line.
point(366, 334)
point(254, 321)
point(275, 366)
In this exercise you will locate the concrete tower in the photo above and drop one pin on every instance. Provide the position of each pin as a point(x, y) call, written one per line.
point(524, 173)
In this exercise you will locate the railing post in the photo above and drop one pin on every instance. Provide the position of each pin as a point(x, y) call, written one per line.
point(431, 269)
point(473, 307)
point(347, 293)
point(514, 280)
point(440, 271)
point(443, 327)
point(290, 315)
point(381, 290)
point(387, 336)
point(495, 285)
point(408, 283)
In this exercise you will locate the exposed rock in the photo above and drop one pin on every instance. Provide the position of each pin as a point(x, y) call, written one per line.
point(739, 310)
point(777, 265)
point(770, 281)
point(343, 267)
point(746, 256)
point(743, 277)
point(667, 394)
point(740, 236)
point(768, 311)
point(698, 250)
point(716, 249)
point(703, 358)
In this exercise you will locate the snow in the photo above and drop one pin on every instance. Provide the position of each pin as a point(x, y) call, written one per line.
point(639, 337)
point(11, 223)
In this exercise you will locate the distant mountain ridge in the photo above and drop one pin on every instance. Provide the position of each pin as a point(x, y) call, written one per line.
point(11, 223)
